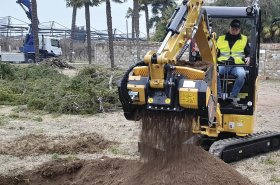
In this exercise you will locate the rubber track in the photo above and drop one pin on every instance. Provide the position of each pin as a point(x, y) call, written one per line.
point(218, 147)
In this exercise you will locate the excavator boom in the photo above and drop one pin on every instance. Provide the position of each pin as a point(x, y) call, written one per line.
point(26, 6)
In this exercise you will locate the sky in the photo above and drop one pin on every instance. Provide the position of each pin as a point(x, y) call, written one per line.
point(55, 10)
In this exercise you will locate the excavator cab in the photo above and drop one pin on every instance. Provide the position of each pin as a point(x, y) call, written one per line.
point(251, 24)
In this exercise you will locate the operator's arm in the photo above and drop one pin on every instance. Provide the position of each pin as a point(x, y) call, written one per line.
point(247, 53)
point(247, 50)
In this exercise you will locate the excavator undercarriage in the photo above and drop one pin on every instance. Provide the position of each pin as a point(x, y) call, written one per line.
point(178, 104)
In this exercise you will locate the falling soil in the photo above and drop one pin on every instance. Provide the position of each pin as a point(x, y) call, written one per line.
point(163, 133)
point(42, 144)
point(193, 166)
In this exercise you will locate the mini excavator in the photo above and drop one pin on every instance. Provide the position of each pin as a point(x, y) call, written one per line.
point(160, 84)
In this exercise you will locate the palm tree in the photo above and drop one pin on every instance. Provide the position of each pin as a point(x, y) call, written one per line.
point(129, 14)
point(136, 17)
point(88, 31)
point(161, 10)
point(87, 4)
point(35, 30)
point(75, 4)
point(110, 30)
point(144, 6)
point(158, 9)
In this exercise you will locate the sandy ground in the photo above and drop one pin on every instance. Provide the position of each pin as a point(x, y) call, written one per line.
point(265, 169)
point(17, 124)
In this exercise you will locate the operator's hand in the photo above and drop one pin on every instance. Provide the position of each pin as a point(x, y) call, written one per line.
point(247, 61)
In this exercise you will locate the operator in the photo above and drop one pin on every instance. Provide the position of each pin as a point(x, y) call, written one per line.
point(233, 47)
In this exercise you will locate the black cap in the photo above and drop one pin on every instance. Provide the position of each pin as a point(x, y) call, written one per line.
point(235, 23)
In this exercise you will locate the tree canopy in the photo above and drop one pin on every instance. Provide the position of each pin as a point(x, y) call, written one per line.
point(162, 11)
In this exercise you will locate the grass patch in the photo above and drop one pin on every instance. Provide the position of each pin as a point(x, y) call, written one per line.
point(44, 88)
point(17, 116)
point(2, 121)
point(72, 158)
point(117, 151)
point(38, 119)
point(275, 179)
point(14, 115)
point(56, 156)
point(269, 161)
point(19, 109)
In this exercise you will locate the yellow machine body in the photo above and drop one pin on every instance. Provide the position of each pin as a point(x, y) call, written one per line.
point(162, 85)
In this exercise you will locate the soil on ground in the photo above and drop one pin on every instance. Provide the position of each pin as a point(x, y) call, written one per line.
point(193, 166)
point(41, 144)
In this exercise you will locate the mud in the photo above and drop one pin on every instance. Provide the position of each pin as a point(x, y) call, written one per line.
point(192, 166)
point(41, 144)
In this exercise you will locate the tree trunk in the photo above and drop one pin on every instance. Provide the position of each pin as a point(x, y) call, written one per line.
point(87, 16)
point(133, 26)
point(35, 30)
point(110, 32)
point(136, 16)
point(147, 20)
point(73, 27)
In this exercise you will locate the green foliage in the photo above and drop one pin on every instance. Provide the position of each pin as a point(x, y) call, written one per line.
point(270, 12)
point(271, 33)
point(43, 88)
point(36, 104)
point(162, 11)
point(161, 24)
point(6, 71)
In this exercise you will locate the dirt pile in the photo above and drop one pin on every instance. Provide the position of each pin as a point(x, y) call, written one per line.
point(42, 144)
point(194, 166)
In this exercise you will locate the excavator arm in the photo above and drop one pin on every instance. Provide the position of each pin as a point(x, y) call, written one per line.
point(160, 84)
point(188, 22)
point(26, 6)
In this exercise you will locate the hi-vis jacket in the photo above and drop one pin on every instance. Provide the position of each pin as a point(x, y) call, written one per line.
point(237, 50)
